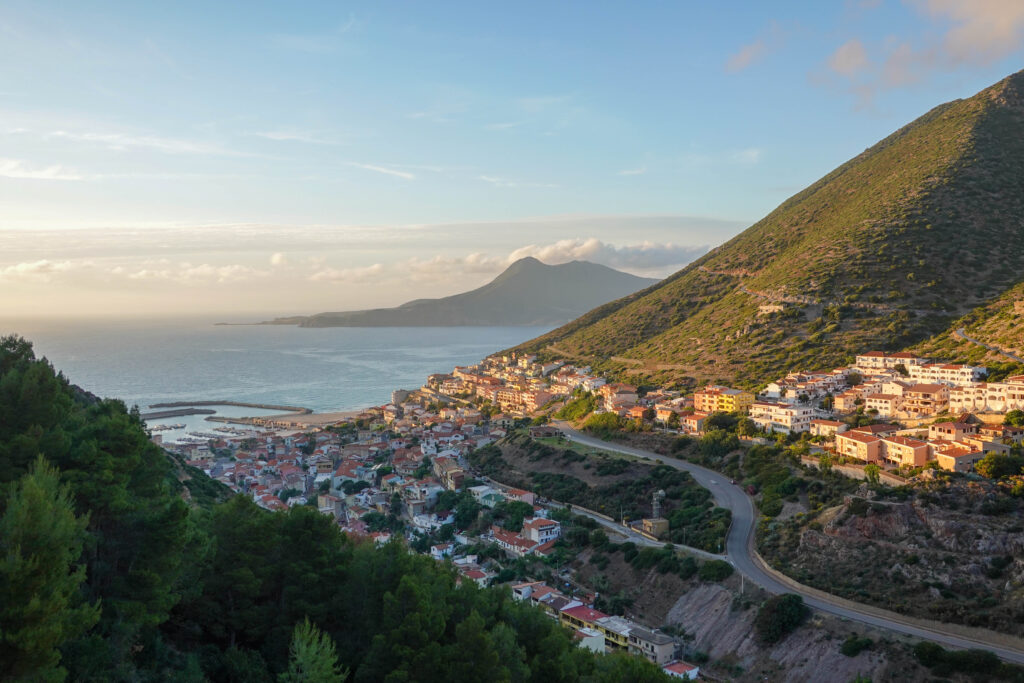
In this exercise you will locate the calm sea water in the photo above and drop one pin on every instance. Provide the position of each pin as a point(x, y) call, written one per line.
point(339, 368)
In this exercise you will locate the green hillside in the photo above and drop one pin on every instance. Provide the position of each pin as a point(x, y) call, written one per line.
point(883, 252)
point(989, 335)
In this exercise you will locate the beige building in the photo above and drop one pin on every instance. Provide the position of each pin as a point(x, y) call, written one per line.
point(900, 451)
point(864, 447)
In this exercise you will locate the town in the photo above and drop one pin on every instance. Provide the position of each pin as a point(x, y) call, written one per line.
point(402, 472)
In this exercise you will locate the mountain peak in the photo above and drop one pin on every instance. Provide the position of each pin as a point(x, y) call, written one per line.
point(882, 252)
point(528, 292)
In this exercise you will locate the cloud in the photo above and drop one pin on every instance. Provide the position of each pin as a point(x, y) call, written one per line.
point(382, 169)
point(646, 256)
point(314, 43)
point(748, 156)
point(982, 31)
point(747, 55)
point(349, 275)
point(770, 40)
point(290, 135)
point(43, 270)
point(849, 59)
point(278, 259)
point(14, 168)
point(504, 182)
point(966, 34)
point(121, 141)
point(504, 126)
point(633, 171)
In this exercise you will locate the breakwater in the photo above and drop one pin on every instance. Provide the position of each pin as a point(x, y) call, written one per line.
point(178, 412)
point(238, 404)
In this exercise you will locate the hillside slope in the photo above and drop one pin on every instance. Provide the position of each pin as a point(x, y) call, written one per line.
point(882, 252)
point(527, 293)
point(988, 335)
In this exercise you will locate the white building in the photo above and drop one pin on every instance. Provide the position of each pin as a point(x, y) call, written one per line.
point(782, 417)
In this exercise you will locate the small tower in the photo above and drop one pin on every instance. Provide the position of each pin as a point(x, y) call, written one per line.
point(656, 503)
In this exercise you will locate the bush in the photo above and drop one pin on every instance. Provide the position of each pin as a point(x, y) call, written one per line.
point(715, 570)
point(854, 645)
point(779, 616)
point(602, 425)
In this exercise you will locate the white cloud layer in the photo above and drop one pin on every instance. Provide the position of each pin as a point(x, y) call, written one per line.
point(970, 34)
point(14, 168)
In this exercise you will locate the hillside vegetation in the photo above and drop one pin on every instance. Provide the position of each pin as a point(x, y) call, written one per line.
point(883, 252)
point(106, 574)
point(998, 325)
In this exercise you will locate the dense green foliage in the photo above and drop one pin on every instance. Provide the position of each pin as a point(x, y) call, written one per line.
point(779, 616)
point(582, 404)
point(106, 574)
point(40, 548)
point(996, 465)
point(313, 657)
point(694, 520)
point(977, 664)
point(859, 260)
point(854, 645)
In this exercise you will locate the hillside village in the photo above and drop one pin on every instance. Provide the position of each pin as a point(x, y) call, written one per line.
point(402, 470)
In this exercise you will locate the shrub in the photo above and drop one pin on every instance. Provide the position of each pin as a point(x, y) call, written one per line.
point(715, 570)
point(779, 616)
point(854, 645)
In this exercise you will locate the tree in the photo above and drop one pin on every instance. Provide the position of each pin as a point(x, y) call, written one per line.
point(1014, 418)
point(871, 471)
point(313, 657)
point(779, 616)
point(825, 463)
point(40, 575)
point(995, 465)
point(853, 379)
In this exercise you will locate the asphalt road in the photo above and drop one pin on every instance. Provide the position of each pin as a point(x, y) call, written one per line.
point(740, 545)
point(962, 333)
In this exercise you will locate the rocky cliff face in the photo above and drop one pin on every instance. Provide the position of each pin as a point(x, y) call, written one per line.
point(725, 630)
point(950, 552)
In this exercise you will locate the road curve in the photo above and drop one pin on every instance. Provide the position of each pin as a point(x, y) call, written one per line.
point(962, 333)
point(740, 552)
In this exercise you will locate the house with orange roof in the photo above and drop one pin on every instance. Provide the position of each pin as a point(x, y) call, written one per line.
point(864, 447)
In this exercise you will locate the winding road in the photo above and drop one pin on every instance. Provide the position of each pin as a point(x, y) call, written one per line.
point(741, 554)
point(962, 333)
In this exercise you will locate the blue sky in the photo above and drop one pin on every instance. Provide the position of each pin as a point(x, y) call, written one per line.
point(343, 146)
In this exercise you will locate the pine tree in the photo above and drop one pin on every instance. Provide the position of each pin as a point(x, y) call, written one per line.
point(314, 657)
point(40, 546)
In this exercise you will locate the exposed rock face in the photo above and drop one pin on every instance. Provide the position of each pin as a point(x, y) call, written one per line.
point(952, 553)
point(811, 653)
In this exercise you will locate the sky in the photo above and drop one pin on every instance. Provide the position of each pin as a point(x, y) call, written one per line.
point(271, 158)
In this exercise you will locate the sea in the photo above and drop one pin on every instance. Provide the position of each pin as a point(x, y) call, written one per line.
point(144, 362)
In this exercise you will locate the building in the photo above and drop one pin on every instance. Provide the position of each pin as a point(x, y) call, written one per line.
point(926, 399)
point(655, 527)
point(782, 417)
point(719, 399)
point(879, 360)
point(864, 447)
point(654, 645)
point(951, 431)
point(884, 405)
point(682, 670)
point(694, 424)
point(956, 456)
point(827, 428)
point(541, 530)
point(901, 451)
point(946, 373)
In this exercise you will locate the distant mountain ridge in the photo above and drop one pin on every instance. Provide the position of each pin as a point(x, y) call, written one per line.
point(882, 253)
point(528, 292)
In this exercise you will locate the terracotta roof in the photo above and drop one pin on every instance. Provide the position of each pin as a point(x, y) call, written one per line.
point(584, 613)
